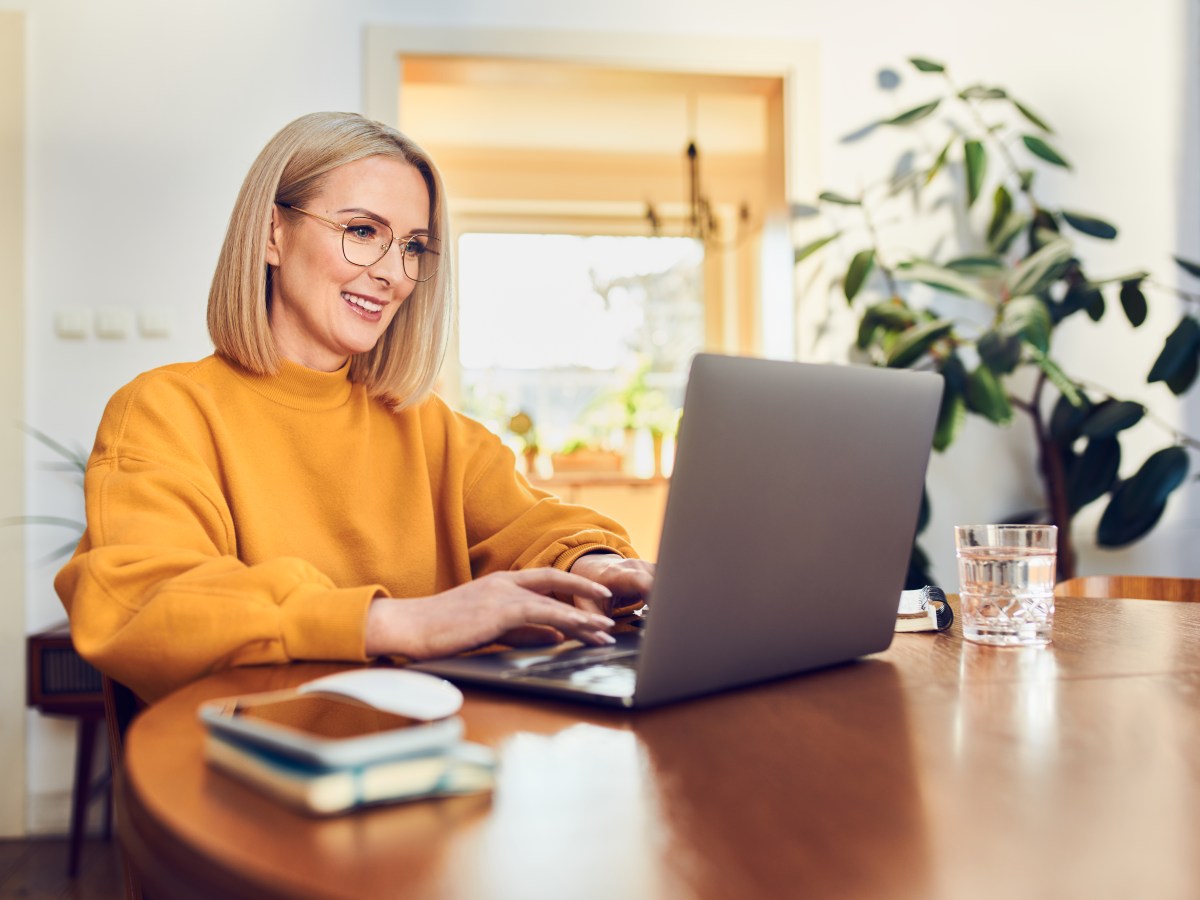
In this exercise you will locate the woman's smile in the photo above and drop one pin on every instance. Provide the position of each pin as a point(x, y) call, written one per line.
point(367, 307)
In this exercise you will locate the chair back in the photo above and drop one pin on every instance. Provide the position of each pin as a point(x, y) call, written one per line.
point(120, 706)
point(1131, 587)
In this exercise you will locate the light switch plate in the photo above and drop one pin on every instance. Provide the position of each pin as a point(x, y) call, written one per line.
point(73, 322)
point(113, 322)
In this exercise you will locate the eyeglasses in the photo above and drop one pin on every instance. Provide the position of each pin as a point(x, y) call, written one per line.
point(366, 241)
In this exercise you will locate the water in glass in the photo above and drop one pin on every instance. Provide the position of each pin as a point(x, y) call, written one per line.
point(1007, 594)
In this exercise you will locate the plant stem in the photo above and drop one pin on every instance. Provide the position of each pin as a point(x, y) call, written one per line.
point(1054, 482)
point(1170, 288)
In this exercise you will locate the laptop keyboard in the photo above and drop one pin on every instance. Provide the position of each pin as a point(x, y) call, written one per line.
point(615, 672)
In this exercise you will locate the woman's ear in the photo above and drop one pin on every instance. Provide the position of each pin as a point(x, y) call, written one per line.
point(275, 237)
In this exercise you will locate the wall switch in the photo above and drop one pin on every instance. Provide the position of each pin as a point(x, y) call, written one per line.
point(73, 322)
point(113, 322)
point(154, 323)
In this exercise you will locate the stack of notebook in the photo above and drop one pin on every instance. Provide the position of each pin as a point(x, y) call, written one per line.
point(329, 747)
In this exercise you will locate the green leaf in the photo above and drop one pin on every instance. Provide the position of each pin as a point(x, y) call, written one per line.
point(1133, 301)
point(1029, 114)
point(76, 460)
point(810, 248)
point(1179, 361)
point(832, 197)
point(1068, 417)
point(918, 574)
point(860, 268)
point(913, 344)
point(942, 278)
point(1094, 473)
point(926, 65)
point(1028, 318)
point(894, 314)
point(1181, 345)
point(1093, 303)
point(939, 162)
point(979, 92)
point(985, 395)
point(1060, 379)
point(951, 416)
point(1040, 148)
point(1039, 270)
point(1013, 225)
point(1074, 299)
point(1001, 352)
point(1002, 207)
point(981, 266)
point(916, 114)
point(1111, 417)
point(1090, 225)
point(975, 157)
point(867, 326)
point(954, 372)
point(1138, 503)
point(1188, 266)
point(1184, 376)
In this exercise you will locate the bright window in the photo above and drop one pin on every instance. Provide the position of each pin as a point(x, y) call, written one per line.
point(587, 335)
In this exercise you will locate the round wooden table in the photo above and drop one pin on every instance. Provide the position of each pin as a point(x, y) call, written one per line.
point(935, 769)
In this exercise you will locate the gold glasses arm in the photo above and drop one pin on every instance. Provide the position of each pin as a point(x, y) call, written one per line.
point(336, 225)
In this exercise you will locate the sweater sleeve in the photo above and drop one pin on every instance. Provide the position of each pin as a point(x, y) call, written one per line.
point(513, 525)
point(156, 593)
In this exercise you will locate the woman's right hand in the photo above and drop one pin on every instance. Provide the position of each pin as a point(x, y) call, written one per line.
point(508, 607)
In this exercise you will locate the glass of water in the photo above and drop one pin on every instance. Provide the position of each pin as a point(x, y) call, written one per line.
point(1006, 583)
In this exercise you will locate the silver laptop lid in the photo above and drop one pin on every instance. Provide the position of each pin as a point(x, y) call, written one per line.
point(792, 510)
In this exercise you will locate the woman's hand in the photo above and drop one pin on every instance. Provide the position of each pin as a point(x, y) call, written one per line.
point(628, 581)
point(510, 607)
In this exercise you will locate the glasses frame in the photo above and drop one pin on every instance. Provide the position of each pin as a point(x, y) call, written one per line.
point(404, 257)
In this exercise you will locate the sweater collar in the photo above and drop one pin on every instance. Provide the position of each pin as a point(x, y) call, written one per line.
point(299, 387)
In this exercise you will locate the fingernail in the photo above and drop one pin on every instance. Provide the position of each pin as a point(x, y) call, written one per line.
point(605, 622)
point(605, 591)
point(606, 638)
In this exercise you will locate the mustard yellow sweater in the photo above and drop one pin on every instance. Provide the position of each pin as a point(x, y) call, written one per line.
point(234, 519)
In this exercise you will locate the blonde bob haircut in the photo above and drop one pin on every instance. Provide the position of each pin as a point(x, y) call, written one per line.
point(401, 368)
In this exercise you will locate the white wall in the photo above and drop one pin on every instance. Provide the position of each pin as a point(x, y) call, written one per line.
point(143, 117)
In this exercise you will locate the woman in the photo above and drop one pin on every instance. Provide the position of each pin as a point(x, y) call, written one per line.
point(302, 494)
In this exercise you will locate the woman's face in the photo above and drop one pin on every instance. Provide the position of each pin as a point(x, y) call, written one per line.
point(323, 308)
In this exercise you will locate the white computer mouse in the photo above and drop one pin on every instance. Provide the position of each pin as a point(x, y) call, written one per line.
point(413, 694)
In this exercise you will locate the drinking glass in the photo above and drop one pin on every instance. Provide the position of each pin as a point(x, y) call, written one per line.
point(1006, 583)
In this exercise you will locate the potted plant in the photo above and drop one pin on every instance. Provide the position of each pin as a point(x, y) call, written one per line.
point(1003, 281)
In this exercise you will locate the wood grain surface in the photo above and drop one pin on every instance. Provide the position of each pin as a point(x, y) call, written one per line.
point(936, 769)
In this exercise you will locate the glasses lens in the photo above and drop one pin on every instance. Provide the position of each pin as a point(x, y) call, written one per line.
point(365, 241)
point(420, 254)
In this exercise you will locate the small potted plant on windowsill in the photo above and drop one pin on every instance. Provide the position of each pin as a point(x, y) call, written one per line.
point(580, 455)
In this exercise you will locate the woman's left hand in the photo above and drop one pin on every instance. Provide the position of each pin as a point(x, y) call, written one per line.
point(629, 580)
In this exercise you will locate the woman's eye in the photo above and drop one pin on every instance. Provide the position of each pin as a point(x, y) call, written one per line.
point(361, 232)
point(414, 246)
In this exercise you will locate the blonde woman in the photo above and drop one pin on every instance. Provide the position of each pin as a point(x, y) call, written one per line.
point(302, 494)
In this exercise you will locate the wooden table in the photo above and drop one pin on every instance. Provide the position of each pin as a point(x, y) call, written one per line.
point(937, 769)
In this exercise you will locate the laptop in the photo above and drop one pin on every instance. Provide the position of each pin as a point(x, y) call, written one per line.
point(789, 522)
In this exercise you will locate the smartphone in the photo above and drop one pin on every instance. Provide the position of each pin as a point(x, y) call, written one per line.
point(326, 729)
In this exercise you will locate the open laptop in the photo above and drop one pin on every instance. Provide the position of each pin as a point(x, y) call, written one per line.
point(790, 518)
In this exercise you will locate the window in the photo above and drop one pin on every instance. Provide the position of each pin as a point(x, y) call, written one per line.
point(589, 336)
